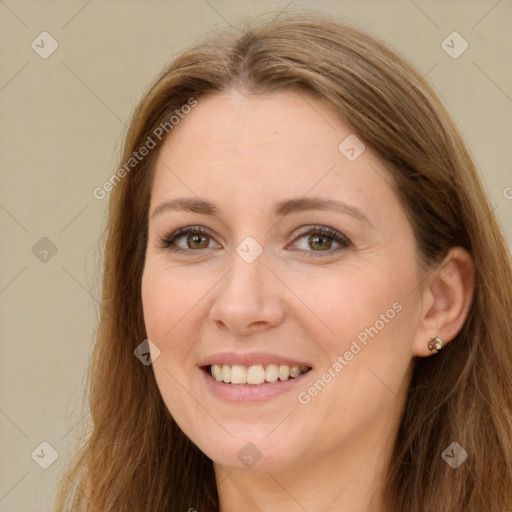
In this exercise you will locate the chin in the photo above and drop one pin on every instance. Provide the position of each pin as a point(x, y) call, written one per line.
point(254, 451)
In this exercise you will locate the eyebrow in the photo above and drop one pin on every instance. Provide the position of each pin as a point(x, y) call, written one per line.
point(197, 205)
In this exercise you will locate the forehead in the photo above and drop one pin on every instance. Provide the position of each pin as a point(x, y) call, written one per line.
point(282, 124)
point(265, 148)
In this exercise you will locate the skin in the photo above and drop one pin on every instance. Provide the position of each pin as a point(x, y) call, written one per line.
point(245, 153)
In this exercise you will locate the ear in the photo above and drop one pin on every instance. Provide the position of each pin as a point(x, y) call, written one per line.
point(447, 294)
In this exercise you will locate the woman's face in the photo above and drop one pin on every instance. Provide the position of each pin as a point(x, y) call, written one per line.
point(261, 289)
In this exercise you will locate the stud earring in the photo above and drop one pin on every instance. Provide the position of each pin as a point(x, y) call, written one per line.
point(435, 344)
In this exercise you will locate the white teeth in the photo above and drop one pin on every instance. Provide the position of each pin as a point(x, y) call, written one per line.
point(226, 373)
point(271, 373)
point(294, 371)
point(238, 374)
point(217, 372)
point(255, 374)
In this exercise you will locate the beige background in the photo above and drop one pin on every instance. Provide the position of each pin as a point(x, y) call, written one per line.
point(62, 120)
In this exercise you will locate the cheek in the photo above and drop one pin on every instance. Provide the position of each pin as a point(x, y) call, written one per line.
point(368, 317)
point(174, 308)
point(365, 363)
point(167, 301)
point(343, 303)
point(166, 298)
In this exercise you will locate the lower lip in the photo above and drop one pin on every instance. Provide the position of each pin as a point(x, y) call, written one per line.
point(237, 393)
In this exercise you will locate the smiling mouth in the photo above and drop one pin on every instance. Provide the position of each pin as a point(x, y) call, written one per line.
point(254, 375)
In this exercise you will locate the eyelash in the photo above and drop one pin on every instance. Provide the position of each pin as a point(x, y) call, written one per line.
point(167, 242)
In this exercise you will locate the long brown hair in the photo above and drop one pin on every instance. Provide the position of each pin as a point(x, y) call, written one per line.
point(135, 457)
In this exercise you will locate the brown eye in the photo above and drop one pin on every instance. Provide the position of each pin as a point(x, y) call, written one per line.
point(196, 238)
point(191, 240)
point(317, 240)
point(320, 239)
point(321, 242)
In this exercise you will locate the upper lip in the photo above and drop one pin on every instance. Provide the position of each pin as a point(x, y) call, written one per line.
point(250, 359)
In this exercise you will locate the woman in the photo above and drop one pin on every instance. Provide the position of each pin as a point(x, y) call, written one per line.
point(307, 295)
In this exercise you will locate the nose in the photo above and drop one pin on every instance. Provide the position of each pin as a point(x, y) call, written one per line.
point(249, 298)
